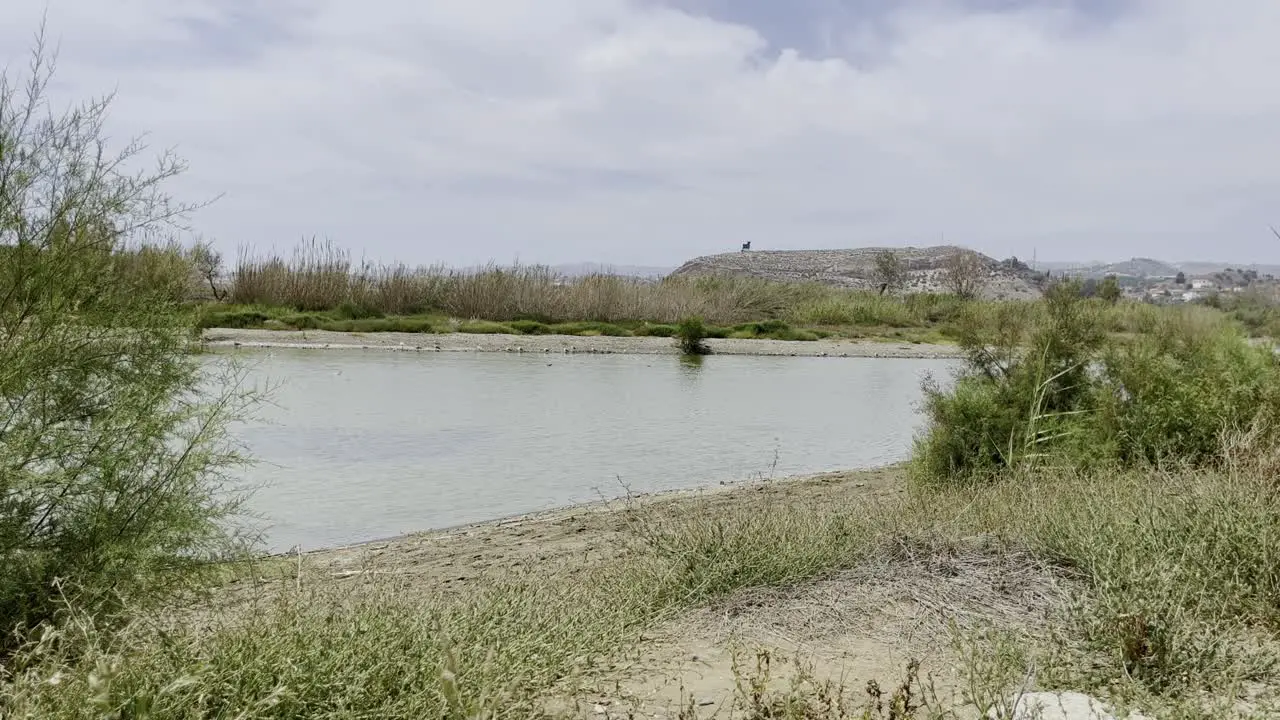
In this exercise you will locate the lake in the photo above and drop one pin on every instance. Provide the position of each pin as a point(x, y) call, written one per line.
point(363, 445)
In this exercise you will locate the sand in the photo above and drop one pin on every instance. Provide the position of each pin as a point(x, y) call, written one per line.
point(460, 342)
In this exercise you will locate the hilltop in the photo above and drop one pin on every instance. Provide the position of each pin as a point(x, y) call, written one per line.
point(855, 268)
point(1139, 267)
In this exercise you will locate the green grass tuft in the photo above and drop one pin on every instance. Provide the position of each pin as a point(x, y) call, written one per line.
point(486, 327)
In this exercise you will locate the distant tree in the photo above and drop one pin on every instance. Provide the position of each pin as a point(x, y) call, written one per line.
point(208, 264)
point(1109, 289)
point(1180, 278)
point(1013, 263)
point(890, 273)
point(964, 274)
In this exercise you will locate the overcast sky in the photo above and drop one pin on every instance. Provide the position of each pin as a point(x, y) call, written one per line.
point(643, 132)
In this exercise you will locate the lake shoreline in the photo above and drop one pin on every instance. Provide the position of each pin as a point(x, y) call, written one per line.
point(462, 342)
point(474, 551)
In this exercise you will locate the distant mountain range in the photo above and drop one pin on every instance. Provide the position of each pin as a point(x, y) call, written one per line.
point(1152, 268)
point(586, 268)
point(1134, 267)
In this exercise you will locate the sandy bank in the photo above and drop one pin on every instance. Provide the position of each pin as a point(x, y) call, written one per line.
point(460, 342)
point(591, 531)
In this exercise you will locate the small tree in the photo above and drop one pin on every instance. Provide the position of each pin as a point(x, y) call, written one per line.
point(889, 272)
point(964, 274)
point(208, 265)
point(1179, 279)
point(1109, 289)
point(113, 448)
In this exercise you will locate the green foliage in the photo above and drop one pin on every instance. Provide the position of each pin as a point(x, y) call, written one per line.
point(1168, 394)
point(1052, 386)
point(529, 327)
point(352, 310)
point(770, 330)
point(375, 325)
point(302, 321)
point(590, 328)
point(690, 334)
point(486, 327)
point(1258, 312)
point(1109, 290)
point(656, 330)
point(237, 318)
point(890, 272)
point(113, 453)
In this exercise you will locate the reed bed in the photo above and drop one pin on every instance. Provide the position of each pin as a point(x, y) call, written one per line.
point(321, 277)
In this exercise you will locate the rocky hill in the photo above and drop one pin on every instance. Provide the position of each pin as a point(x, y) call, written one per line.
point(1136, 267)
point(855, 268)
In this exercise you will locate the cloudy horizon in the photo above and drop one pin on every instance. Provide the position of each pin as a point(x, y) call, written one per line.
point(644, 132)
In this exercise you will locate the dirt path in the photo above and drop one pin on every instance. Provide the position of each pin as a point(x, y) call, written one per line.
point(462, 342)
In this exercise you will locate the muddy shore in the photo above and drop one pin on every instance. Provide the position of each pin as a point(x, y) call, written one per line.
point(577, 533)
point(460, 342)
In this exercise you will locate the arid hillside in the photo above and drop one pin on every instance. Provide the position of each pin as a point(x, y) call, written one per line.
point(924, 269)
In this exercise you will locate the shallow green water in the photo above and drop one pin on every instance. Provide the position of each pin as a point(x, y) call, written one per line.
point(361, 445)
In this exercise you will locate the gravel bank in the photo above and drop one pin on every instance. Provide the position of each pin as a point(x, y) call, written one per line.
point(460, 342)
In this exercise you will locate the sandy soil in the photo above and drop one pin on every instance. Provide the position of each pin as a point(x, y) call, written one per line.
point(461, 342)
point(859, 626)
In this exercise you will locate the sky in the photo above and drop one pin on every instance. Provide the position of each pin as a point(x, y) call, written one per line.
point(653, 131)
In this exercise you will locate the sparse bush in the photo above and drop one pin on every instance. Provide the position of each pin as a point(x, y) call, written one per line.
point(890, 273)
point(113, 452)
point(964, 274)
point(207, 264)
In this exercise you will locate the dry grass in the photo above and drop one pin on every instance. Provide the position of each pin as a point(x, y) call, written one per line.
point(1073, 558)
point(320, 277)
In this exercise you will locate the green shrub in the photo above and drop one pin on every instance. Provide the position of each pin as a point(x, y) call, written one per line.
point(114, 442)
point(655, 331)
point(590, 328)
point(304, 321)
point(412, 325)
point(338, 325)
point(690, 334)
point(370, 325)
point(1053, 386)
point(350, 310)
point(1168, 395)
point(486, 327)
point(232, 319)
point(530, 327)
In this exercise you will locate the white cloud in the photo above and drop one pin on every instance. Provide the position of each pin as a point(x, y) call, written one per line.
point(629, 132)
